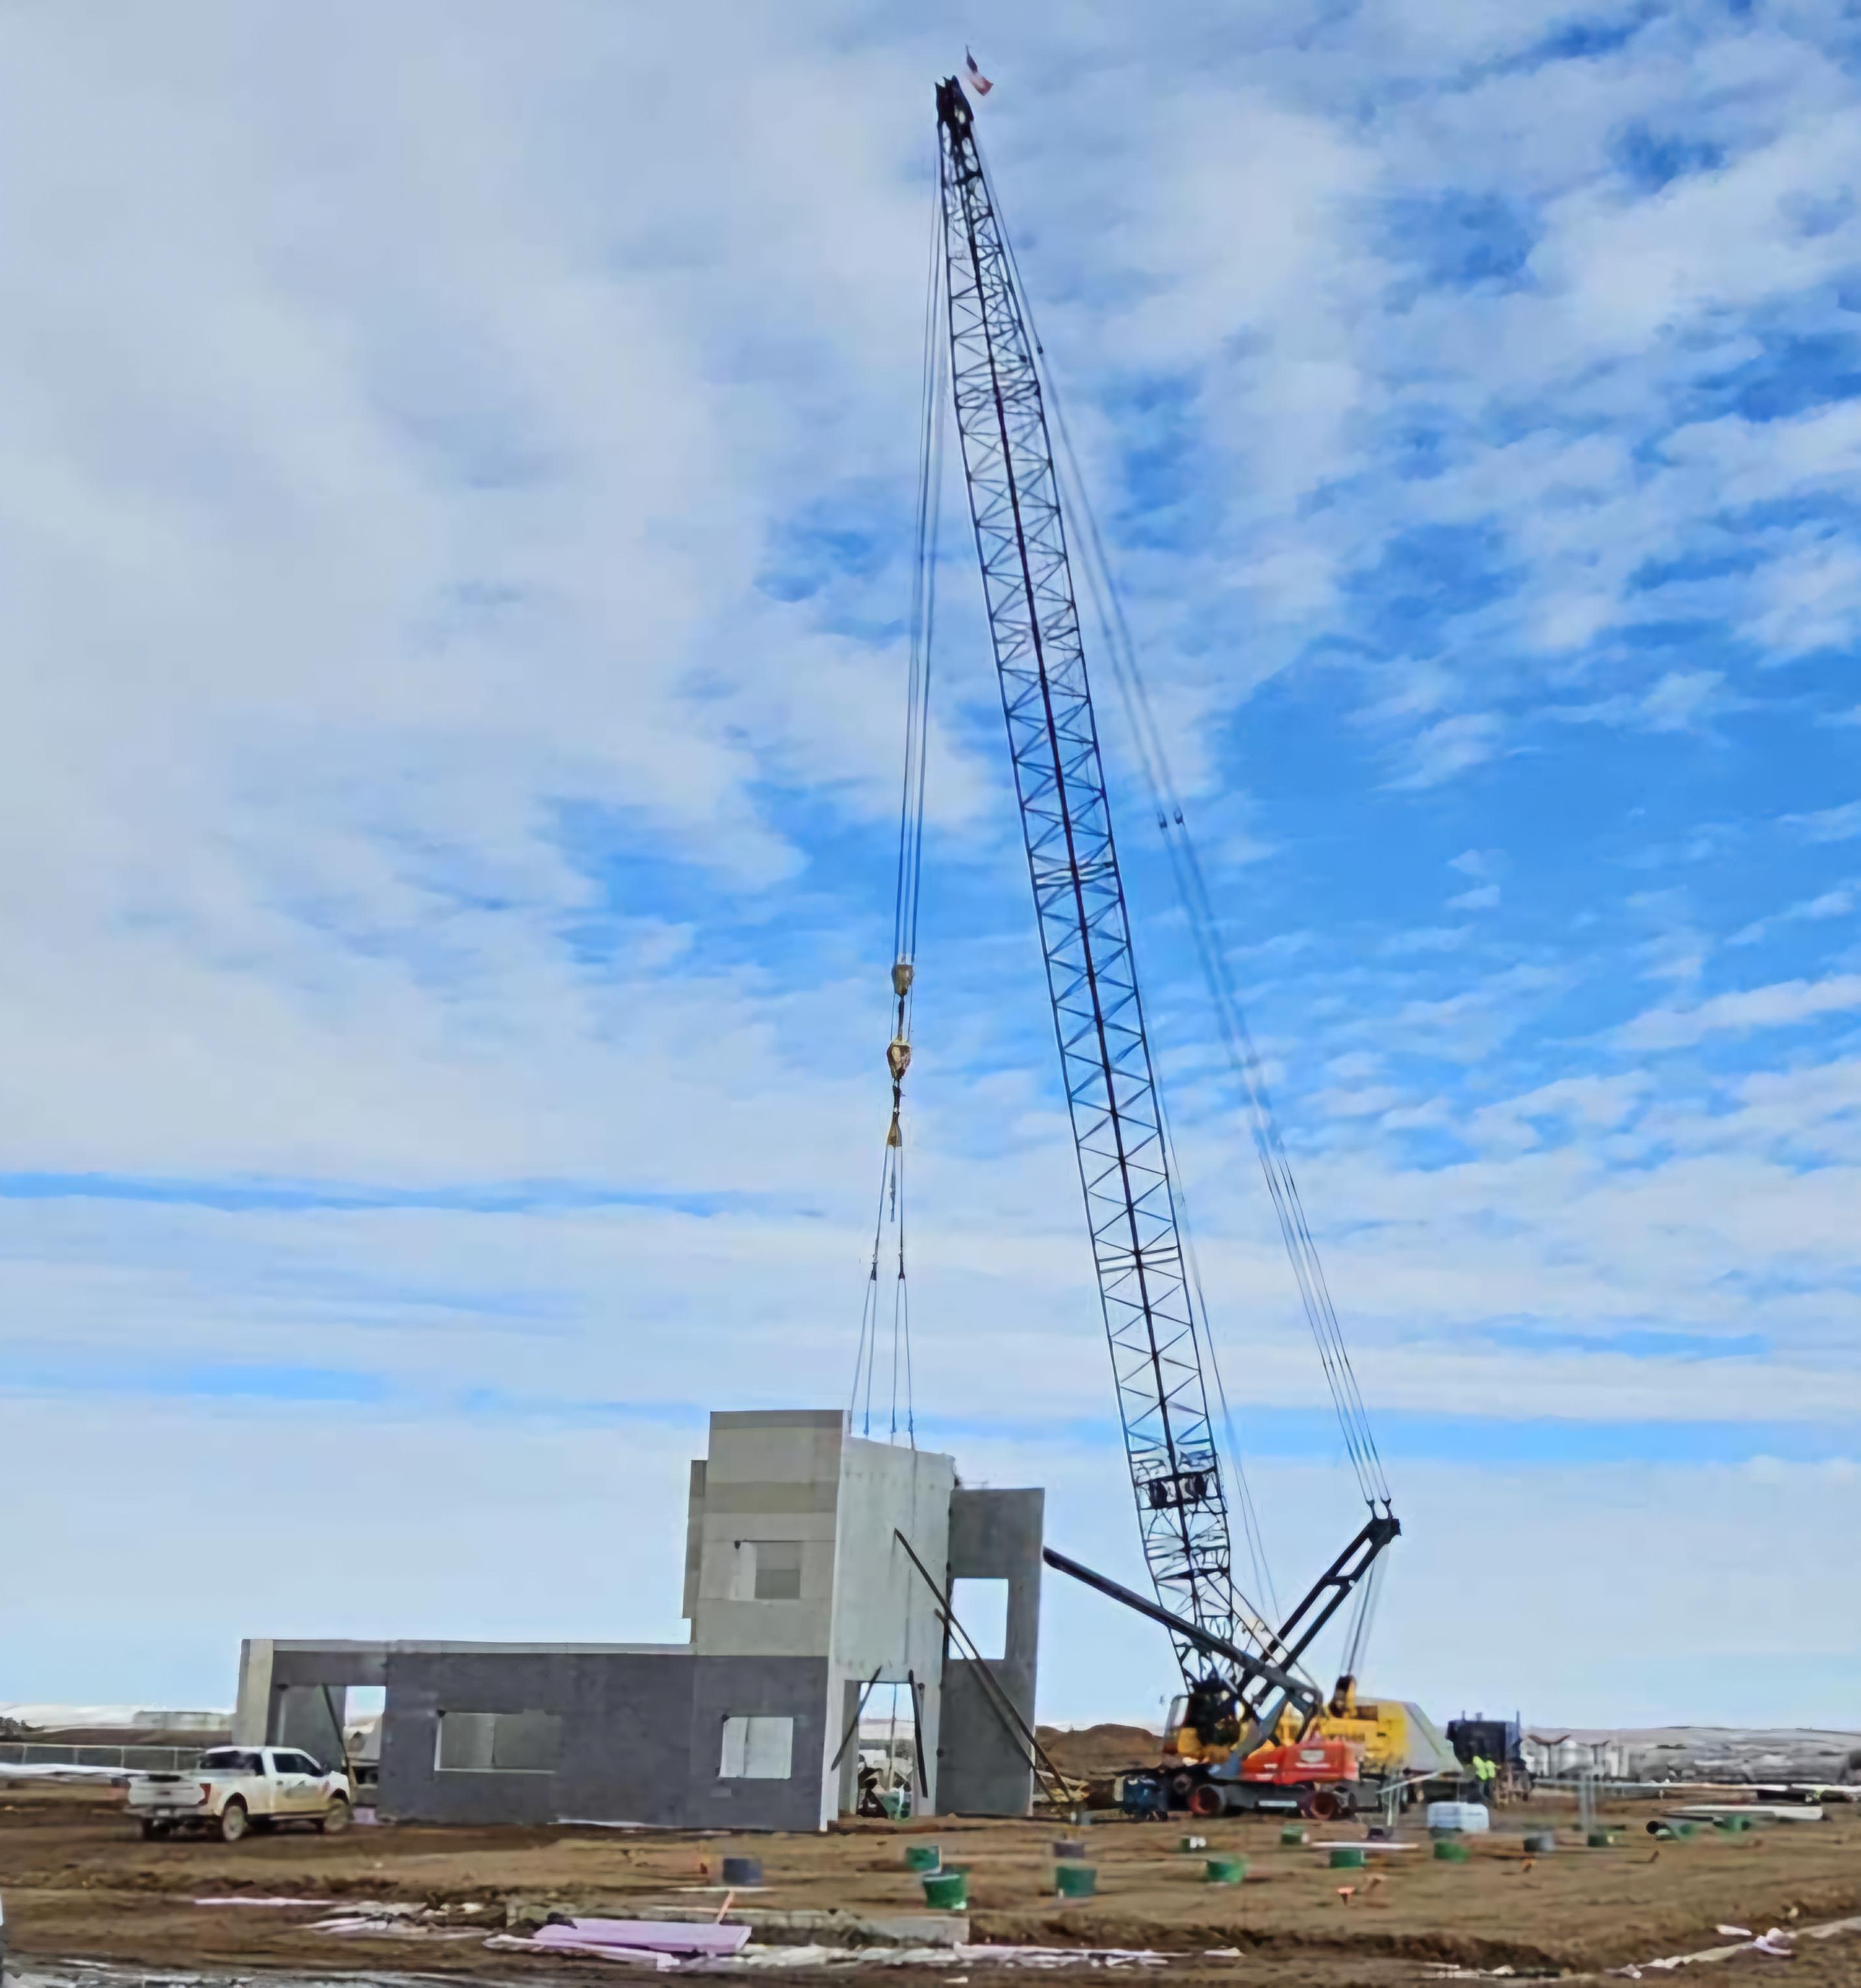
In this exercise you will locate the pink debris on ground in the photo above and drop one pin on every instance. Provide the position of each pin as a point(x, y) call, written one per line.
point(645, 1936)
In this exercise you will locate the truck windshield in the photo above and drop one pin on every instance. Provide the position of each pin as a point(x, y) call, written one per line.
point(230, 1760)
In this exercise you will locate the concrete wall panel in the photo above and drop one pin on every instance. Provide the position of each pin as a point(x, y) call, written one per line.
point(626, 1716)
point(778, 1687)
point(994, 1536)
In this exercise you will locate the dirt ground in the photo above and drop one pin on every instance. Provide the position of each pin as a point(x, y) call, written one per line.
point(79, 1882)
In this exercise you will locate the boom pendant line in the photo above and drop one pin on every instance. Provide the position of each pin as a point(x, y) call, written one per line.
point(1079, 902)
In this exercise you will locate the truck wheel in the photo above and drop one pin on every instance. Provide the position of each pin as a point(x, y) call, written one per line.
point(151, 1829)
point(234, 1821)
point(337, 1819)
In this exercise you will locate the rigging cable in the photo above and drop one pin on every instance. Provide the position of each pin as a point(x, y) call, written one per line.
point(892, 1207)
point(1192, 888)
point(1369, 1594)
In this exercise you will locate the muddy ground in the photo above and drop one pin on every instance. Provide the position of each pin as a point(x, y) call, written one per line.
point(78, 1881)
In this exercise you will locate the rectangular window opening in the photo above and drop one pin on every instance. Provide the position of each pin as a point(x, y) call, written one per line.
point(778, 1569)
point(757, 1748)
point(981, 1609)
point(499, 1742)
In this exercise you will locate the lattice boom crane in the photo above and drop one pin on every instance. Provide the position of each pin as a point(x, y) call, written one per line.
point(1131, 1205)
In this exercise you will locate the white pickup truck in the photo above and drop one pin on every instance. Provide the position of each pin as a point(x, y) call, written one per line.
point(235, 1789)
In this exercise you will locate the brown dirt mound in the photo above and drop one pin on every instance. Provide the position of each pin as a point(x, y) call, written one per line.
point(1087, 1750)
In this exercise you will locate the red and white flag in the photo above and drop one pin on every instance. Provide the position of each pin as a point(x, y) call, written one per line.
point(978, 82)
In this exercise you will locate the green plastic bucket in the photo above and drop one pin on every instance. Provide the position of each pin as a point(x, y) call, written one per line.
point(1292, 1834)
point(1451, 1849)
point(1733, 1825)
point(1685, 1829)
point(946, 1891)
point(923, 1857)
point(1347, 1857)
point(1600, 1839)
point(1075, 1881)
point(1190, 1844)
point(1225, 1870)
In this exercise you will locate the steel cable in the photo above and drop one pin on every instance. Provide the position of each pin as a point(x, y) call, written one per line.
point(906, 888)
point(1192, 888)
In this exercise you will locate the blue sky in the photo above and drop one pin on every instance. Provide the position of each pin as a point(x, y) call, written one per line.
point(455, 562)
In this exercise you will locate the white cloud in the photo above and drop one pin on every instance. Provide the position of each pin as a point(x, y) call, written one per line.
point(1450, 746)
point(1680, 700)
point(1835, 903)
point(1787, 1002)
point(1832, 824)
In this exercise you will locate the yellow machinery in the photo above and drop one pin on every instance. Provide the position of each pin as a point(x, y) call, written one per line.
point(1392, 1740)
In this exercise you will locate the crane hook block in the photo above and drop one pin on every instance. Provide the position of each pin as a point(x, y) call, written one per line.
point(902, 975)
point(898, 1057)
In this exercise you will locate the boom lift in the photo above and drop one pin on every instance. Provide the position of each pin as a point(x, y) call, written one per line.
point(1237, 1698)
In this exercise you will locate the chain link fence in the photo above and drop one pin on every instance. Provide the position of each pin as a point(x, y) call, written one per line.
point(121, 1760)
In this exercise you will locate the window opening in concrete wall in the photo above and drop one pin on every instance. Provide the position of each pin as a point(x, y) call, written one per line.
point(757, 1748)
point(981, 1609)
point(778, 1569)
point(499, 1742)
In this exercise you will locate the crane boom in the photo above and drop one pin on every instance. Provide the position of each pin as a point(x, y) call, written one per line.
point(1079, 902)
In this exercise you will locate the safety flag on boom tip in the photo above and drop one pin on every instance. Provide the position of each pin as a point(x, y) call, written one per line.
point(978, 82)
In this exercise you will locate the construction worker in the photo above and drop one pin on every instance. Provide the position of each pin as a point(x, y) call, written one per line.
point(1486, 1772)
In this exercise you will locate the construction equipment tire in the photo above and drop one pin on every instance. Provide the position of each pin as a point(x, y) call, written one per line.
point(1204, 1798)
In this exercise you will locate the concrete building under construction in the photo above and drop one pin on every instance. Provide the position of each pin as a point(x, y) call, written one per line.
point(819, 1568)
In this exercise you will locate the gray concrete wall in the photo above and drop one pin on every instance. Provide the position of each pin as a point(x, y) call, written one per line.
point(795, 1688)
point(626, 1726)
point(994, 1536)
point(771, 1475)
point(642, 1737)
point(301, 1717)
point(885, 1613)
point(280, 1702)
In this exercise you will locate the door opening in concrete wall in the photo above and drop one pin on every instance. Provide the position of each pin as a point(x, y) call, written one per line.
point(757, 1748)
point(499, 1742)
point(881, 1773)
point(981, 1609)
point(364, 1707)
